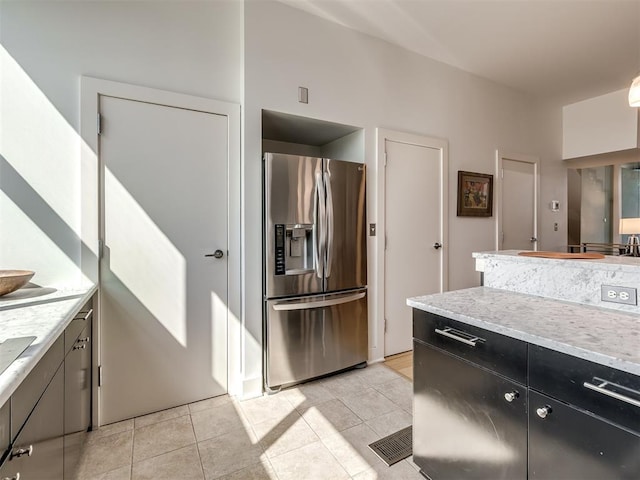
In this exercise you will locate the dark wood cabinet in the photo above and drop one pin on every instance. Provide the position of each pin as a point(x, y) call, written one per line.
point(468, 421)
point(584, 418)
point(477, 415)
point(571, 443)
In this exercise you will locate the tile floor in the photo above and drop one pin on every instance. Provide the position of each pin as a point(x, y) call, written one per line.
point(319, 430)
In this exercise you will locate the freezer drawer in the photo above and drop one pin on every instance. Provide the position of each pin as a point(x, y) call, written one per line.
point(314, 335)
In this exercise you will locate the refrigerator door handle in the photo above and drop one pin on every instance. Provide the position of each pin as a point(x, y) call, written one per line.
point(319, 225)
point(318, 303)
point(327, 182)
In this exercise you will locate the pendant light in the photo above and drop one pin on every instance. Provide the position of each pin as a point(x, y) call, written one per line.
point(634, 92)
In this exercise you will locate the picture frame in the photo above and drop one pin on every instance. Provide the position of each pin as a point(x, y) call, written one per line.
point(475, 194)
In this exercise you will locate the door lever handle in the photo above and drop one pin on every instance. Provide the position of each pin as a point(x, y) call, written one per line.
point(437, 245)
point(217, 254)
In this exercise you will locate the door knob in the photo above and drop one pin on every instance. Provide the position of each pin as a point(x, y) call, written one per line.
point(533, 239)
point(437, 245)
point(217, 254)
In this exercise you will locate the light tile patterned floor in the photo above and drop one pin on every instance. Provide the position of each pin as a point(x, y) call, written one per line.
point(319, 430)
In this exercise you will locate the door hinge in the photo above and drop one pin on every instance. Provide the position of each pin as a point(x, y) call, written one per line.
point(385, 325)
point(385, 159)
point(99, 124)
point(502, 173)
point(385, 241)
point(100, 376)
point(100, 249)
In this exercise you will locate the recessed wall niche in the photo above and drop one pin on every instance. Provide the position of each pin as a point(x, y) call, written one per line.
point(296, 135)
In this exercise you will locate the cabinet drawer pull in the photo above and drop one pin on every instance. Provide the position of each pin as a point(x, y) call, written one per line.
point(471, 341)
point(80, 347)
point(542, 412)
point(602, 388)
point(15, 477)
point(19, 452)
point(84, 315)
point(511, 396)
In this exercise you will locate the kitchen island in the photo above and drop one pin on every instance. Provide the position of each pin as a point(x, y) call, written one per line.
point(514, 385)
point(603, 336)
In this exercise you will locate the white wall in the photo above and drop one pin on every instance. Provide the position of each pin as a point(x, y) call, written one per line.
point(46, 47)
point(205, 49)
point(362, 81)
point(547, 131)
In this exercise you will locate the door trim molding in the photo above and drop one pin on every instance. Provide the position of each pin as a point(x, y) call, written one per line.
point(92, 218)
point(497, 201)
point(376, 336)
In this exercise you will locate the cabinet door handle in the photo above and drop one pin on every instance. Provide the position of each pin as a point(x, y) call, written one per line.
point(542, 412)
point(84, 315)
point(79, 347)
point(601, 388)
point(19, 452)
point(511, 396)
point(471, 341)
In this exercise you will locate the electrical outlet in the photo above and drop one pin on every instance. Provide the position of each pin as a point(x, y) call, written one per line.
point(617, 294)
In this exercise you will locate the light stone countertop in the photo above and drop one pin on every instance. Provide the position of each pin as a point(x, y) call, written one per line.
point(45, 315)
point(602, 336)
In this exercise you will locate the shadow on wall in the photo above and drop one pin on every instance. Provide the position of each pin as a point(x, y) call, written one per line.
point(30, 208)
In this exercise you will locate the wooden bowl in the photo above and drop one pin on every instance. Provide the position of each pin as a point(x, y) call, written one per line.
point(12, 280)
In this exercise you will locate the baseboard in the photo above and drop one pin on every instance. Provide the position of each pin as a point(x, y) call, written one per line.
point(251, 388)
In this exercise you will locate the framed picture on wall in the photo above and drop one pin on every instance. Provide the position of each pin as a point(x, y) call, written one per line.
point(475, 194)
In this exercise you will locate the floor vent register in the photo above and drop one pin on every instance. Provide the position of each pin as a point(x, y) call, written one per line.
point(395, 447)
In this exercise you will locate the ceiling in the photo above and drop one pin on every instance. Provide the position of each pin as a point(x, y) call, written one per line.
point(560, 50)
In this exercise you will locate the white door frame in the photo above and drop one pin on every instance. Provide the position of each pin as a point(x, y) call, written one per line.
point(518, 157)
point(91, 89)
point(376, 339)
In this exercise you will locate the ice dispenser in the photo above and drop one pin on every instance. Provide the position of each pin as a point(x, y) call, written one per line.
point(294, 249)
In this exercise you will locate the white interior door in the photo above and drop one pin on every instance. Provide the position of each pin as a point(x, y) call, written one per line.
point(518, 205)
point(413, 260)
point(163, 298)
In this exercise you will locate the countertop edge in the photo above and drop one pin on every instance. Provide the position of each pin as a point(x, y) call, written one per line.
point(15, 374)
point(589, 355)
point(609, 263)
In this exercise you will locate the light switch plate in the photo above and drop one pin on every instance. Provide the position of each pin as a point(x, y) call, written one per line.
point(303, 95)
point(372, 229)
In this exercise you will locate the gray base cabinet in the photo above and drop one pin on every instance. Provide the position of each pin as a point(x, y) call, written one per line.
point(77, 397)
point(489, 406)
point(5, 430)
point(37, 451)
point(44, 424)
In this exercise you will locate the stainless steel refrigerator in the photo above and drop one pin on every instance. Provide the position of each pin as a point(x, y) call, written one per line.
point(315, 267)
